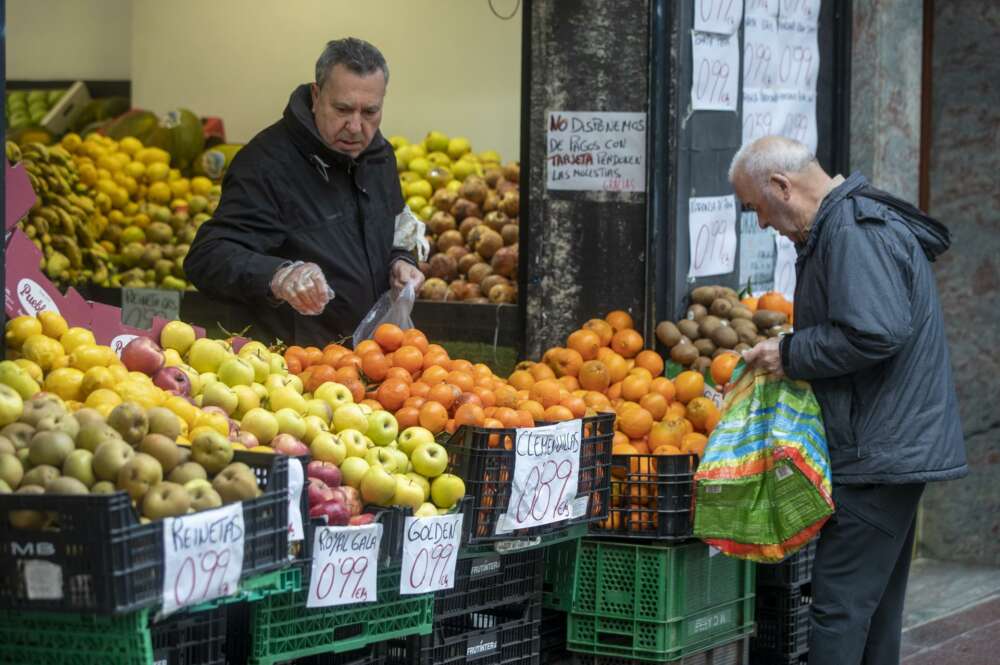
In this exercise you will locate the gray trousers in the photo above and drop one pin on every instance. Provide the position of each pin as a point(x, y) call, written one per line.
point(859, 577)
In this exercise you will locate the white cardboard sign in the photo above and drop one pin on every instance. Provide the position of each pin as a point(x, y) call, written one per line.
point(720, 16)
point(345, 559)
point(715, 62)
point(430, 552)
point(757, 254)
point(295, 482)
point(712, 232)
point(591, 151)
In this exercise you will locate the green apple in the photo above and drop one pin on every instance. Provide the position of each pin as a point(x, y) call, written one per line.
point(402, 461)
point(109, 457)
point(235, 371)
point(425, 484)
point(353, 469)
point(334, 394)
point(446, 490)
point(327, 447)
point(205, 355)
point(178, 336)
point(286, 397)
point(261, 367)
point(436, 142)
point(411, 437)
point(139, 474)
point(11, 470)
point(50, 447)
point(66, 485)
point(314, 426)
point(166, 499)
point(79, 464)
point(277, 363)
point(382, 428)
point(378, 486)
point(103, 487)
point(426, 509)
point(163, 421)
point(260, 389)
point(19, 434)
point(11, 405)
point(349, 416)
point(383, 457)
point(261, 423)
point(15, 376)
point(429, 459)
point(236, 483)
point(408, 493)
point(186, 472)
point(203, 496)
point(94, 434)
point(319, 408)
point(163, 448)
point(62, 422)
point(247, 400)
point(130, 421)
point(40, 475)
point(220, 395)
point(354, 442)
point(88, 416)
point(211, 450)
point(253, 348)
point(291, 422)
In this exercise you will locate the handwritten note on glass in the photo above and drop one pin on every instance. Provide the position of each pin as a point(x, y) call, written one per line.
point(757, 253)
point(712, 229)
point(602, 152)
point(784, 268)
point(715, 71)
point(720, 16)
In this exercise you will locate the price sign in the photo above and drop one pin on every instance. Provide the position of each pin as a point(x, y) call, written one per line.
point(712, 229)
point(546, 469)
point(344, 565)
point(784, 268)
point(295, 482)
point(715, 72)
point(203, 556)
point(139, 306)
point(430, 551)
point(721, 16)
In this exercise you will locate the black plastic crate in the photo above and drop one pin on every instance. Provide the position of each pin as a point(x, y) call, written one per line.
point(484, 458)
point(506, 635)
point(370, 655)
point(491, 580)
point(793, 571)
point(651, 498)
point(108, 561)
point(553, 637)
point(190, 639)
point(782, 623)
point(732, 653)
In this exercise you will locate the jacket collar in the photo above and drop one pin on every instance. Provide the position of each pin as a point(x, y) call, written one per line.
point(853, 183)
point(298, 118)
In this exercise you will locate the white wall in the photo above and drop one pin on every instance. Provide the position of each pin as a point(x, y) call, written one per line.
point(453, 65)
point(68, 39)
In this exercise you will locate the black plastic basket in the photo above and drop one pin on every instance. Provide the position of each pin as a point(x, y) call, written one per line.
point(370, 655)
point(484, 458)
point(491, 580)
point(506, 635)
point(782, 623)
point(108, 561)
point(651, 498)
point(732, 653)
point(553, 637)
point(190, 639)
point(793, 571)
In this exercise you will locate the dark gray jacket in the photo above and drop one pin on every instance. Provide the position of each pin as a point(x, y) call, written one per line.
point(869, 336)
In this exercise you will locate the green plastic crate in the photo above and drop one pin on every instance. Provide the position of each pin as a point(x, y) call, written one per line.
point(657, 602)
point(559, 575)
point(282, 629)
point(522, 543)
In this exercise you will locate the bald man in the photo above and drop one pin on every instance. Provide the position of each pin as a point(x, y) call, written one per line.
point(869, 337)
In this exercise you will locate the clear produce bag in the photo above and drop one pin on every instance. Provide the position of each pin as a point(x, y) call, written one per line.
point(388, 309)
point(763, 488)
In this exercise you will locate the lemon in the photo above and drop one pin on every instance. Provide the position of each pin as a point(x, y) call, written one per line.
point(215, 421)
point(74, 337)
point(121, 160)
point(130, 145)
point(419, 188)
point(103, 401)
point(118, 371)
point(174, 174)
point(183, 409)
point(180, 187)
point(416, 203)
point(32, 368)
point(43, 351)
point(157, 172)
point(153, 155)
point(88, 174)
point(135, 170)
point(87, 356)
point(108, 163)
point(64, 382)
point(107, 186)
point(97, 378)
point(119, 197)
point(143, 393)
point(53, 324)
point(201, 185)
point(71, 141)
point(20, 329)
point(159, 192)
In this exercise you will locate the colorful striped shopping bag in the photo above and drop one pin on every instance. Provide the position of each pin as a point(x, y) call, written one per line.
point(763, 486)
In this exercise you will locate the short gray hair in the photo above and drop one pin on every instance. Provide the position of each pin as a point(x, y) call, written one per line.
point(356, 54)
point(768, 155)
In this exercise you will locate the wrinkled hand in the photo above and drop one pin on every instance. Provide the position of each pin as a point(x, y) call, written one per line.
point(766, 356)
point(402, 273)
point(303, 286)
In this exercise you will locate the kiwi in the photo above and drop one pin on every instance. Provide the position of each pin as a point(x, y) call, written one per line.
point(684, 354)
point(701, 364)
point(741, 347)
point(720, 308)
point(739, 324)
point(740, 312)
point(727, 292)
point(688, 328)
point(667, 333)
point(708, 326)
point(706, 347)
point(765, 319)
point(696, 312)
point(746, 335)
point(685, 340)
point(704, 295)
point(725, 337)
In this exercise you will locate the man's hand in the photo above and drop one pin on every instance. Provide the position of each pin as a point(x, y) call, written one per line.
point(766, 356)
point(303, 286)
point(402, 273)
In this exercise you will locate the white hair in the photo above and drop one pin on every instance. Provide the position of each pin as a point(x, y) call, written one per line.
point(768, 155)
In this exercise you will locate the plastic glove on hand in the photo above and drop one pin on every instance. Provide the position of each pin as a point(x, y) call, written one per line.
point(303, 286)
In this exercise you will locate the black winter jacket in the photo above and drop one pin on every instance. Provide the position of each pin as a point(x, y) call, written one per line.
point(288, 196)
point(869, 336)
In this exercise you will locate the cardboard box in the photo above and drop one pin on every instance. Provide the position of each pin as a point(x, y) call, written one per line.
point(61, 116)
point(19, 195)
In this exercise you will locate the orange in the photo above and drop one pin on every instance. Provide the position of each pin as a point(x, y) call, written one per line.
point(666, 434)
point(594, 376)
point(444, 394)
point(621, 449)
point(750, 302)
point(694, 443)
point(541, 371)
point(372, 404)
point(348, 360)
point(389, 336)
point(400, 373)
point(570, 383)
point(723, 366)
point(655, 403)
point(435, 357)
point(535, 409)
point(563, 362)
point(485, 395)
point(414, 337)
point(576, 405)
point(392, 393)
point(416, 401)
point(419, 389)
point(525, 419)
point(433, 416)
point(333, 352)
point(546, 392)
point(356, 387)
point(585, 342)
point(641, 371)
point(712, 420)
point(296, 352)
point(634, 387)
point(506, 396)
point(689, 384)
point(375, 365)
point(507, 417)
point(617, 367)
point(433, 375)
point(463, 380)
point(460, 365)
point(597, 401)
point(619, 439)
point(699, 410)
point(409, 358)
point(636, 422)
point(650, 360)
point(408, 416)
point(602, 328)
point(619, 320)
point(294, 365)
point(640, 445)
point(775, 302)
point(363, 347)
point(470, 414)
point(347, 373)
point(663, 386)
point(667, 449)
point(626, 343)
point(557, 412)
point(615, 391)
point(467, 398)
point(521, 379)
point(320, 374)
point(313, 356)
point(674, 411)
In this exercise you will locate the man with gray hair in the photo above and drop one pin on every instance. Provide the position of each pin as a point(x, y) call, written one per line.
point(869, 337)
point(305, 231)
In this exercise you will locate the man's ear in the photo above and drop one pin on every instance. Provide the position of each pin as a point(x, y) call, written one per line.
point(314, 90)
point(782, 183)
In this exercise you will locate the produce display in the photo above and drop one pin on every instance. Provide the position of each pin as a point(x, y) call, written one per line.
point(112, 213)
point(28, 107)
point(471, 206)
point(719, 321)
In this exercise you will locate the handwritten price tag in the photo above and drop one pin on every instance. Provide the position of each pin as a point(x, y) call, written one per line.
point(712, 229)
point(203, 556)
point(715, 71)
point(722, 16)
point(546, 469)
point(140, 306)
point(295, 482)
point(344, 565)
point(430, 551)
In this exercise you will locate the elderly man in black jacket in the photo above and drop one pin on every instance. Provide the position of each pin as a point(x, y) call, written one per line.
point(869, 336)
point(305, 228)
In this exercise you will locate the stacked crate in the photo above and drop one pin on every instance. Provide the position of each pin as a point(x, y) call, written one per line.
point(784, 597)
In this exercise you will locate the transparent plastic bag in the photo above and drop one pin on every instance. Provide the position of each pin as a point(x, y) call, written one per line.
point(387, 309)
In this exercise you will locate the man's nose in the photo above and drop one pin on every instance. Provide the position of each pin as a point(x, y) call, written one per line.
point(354, 123)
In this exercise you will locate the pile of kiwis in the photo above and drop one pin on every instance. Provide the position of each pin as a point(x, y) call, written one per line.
point(717, 322)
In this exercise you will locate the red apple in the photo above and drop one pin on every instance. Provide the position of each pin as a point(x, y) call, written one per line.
point(361, 520)
point(325, 471)
point(352, 497)
point(319, 492)
point(337, 513)
point(286, 444)
point(173, 380)
point(142, 355)
point(248, 439)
